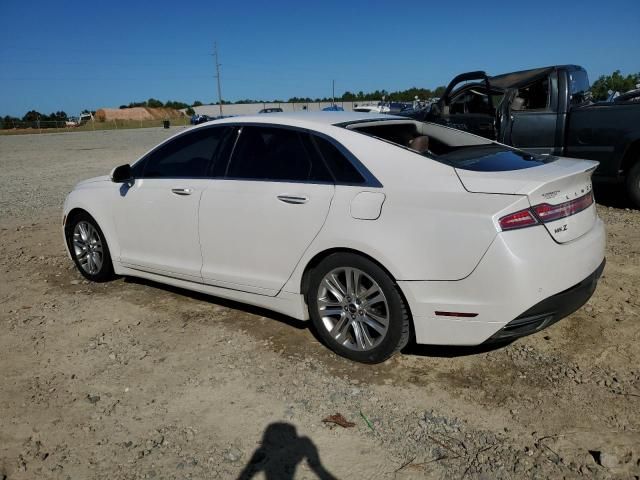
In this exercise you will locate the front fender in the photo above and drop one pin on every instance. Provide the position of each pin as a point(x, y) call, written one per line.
point(95, 199)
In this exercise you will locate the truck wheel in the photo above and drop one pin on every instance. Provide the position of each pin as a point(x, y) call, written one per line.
point(633, 184)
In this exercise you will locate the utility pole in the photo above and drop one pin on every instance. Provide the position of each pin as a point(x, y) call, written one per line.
point(333, 92)
point(215, 54)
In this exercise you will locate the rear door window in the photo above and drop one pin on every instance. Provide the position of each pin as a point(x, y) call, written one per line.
point(342, 169)
point(276, 154)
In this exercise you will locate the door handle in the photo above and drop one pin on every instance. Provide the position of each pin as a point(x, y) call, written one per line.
point(293, 199)
point(182, 191)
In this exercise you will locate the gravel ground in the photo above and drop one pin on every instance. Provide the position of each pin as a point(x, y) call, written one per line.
point(132, 379)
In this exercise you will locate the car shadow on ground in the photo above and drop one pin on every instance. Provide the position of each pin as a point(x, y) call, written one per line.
point(280, 452)
point(447, 351)
point(412, 349)
point(223, 302)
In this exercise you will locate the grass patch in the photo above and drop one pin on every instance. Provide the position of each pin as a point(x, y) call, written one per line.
point(95, 125)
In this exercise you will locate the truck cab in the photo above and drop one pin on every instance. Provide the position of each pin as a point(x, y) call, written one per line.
point(548, 111)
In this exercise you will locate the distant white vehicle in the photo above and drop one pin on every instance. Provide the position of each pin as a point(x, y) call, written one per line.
point(84, 118)
point(376, 228)
point(81, 120)
point(371, 109)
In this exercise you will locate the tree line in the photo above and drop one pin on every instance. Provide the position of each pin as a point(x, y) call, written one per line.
point(599, 89)
point(616, 82)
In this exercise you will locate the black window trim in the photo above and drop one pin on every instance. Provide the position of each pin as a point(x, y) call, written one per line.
point(370, 181)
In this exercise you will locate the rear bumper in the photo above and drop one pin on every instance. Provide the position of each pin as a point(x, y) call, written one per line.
point(521, 271)
point(550, 310)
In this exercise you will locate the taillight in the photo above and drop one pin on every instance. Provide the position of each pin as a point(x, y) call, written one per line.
point(521, 219)
point(545, 212)
point(549, 213)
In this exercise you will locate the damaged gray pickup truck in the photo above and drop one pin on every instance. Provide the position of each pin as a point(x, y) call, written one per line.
point(548, 111)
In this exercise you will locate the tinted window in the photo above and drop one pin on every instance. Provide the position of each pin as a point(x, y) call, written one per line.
point(470, 101)
point(266, 153)
point(533, 97)
point(187, 156)
point(342, 169)
point(578, 86)
point(492, 158)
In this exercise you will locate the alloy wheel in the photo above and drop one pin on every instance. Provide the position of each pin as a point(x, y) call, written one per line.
point(87, 247)
point(353, 308)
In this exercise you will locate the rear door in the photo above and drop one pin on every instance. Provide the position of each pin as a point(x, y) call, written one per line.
point(257, 221)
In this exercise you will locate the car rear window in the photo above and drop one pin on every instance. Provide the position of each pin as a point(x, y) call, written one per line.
point(492, 158)
point(453, 147)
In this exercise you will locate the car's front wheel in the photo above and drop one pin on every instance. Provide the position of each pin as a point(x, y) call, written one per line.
point(89, 248)
point(356, 308)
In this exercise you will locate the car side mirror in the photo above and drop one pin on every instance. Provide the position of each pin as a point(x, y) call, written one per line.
point(122, 174)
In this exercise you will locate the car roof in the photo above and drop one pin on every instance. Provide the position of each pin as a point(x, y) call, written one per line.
point(310, 119)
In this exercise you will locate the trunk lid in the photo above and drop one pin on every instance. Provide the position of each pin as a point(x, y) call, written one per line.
point(559, 191)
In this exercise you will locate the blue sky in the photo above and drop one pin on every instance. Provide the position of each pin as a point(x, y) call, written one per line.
point(73, 55)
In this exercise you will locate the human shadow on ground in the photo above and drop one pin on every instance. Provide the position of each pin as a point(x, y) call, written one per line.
point(280, 452)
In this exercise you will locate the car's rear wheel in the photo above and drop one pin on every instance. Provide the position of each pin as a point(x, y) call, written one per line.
point(89, 248)
point(356, 308)
point(633, 184)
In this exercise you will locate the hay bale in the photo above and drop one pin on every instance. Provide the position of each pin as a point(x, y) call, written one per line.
point(136, 113)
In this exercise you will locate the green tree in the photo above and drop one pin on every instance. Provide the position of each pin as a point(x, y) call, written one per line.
point(175, 105)
point(197, 103)
point(616, 82)
point(439, 91)
point(33, 116)
point(8, 122)
point(348, 96)
point(154, 103)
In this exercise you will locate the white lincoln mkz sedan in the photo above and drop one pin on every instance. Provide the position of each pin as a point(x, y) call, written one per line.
point(377, 228)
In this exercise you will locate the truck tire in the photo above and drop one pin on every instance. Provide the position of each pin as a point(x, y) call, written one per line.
point(633, 184)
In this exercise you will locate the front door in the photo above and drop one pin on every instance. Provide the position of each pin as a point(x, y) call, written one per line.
point(157, 215)
point(534, 117)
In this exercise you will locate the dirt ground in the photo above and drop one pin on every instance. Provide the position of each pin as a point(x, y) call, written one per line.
point(132, 379)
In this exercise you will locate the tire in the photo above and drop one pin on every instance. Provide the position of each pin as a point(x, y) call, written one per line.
point(364, 319)
point(88, 248)
point(633, 184)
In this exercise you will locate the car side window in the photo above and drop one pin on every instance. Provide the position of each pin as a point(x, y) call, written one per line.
point(533, 97)
point(471, 101)
point(187, 156)
point(278, 154)
point(342, 169)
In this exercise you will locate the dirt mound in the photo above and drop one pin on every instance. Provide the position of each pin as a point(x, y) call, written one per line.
point(136, 113)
